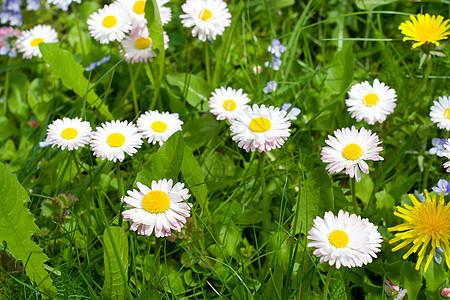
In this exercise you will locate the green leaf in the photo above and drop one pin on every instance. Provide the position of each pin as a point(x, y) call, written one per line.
point(364, 188)
point(281, 3)
point(16, 228)
point(199, 131)
point(196, 87)
point(411, 278)
point(39, 99)
point(435, 277)
point(64, 67)
point(166, 163)
point(371, 4)
point(340, 70)
point(193, 175)
point(113, 287)
point(316, 198)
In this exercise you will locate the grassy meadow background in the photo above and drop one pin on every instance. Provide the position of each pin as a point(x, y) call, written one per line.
point(246, 237)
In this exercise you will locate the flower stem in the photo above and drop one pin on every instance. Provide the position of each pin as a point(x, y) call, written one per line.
point(208, 70)
point(121, 191)
point(355, 204)
point(265, 199)
point(77, 21)
point(327, 283)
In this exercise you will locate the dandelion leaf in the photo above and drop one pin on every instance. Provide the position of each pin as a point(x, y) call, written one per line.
point(70, 72)
point(193, 175)
point(16, 228)
point(156, 33)
point(113, 287)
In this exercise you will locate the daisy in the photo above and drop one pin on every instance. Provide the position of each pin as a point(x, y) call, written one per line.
point(263, 128)
point(349, 149)
point(136, 9)
point(158, 127)
point(344, 239)
point(62, 4)
point(393, 291)
point(113, 139)
point(110, 23)
point(70, 133)
point(425, 29)
point(426, 224)
point(138, 46)
point(161, 208)
point(209, 17)
point(226, 103)
point(440, 113)
point(372, 104)
point(28, 42)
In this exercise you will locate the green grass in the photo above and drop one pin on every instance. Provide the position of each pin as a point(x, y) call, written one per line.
point(247, 234)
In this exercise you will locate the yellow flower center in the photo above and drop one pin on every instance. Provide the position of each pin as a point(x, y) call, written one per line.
point(142, 43)
point(109, 21)
point(205, 14)
point(156, 202)
point(159, 126)
point(447, 113)
point(36, 42)
point(69, 133)
point(139, 7)
point(229, 105)
point(260, 124)
point(371, 99)
point(338, 238)
point(352, 151)
point(116, 139)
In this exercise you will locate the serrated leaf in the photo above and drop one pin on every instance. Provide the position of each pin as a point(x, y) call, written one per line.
point(411, 278)
point(193, 175)
point(16, 228)
point(315, 199)
point(166, 163)
point(196, 87)
point(113, 287)
point(65, 68)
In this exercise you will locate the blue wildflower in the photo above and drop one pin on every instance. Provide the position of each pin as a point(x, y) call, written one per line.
point(33, 5)
point(10, 12)
point(442, 186)
point(275, 64)
point(270, 87)
point(438, 148)
point(276, 48)
point(95, 64)
point(293, 113)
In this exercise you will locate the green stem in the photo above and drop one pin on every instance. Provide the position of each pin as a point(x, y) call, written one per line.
point(133, 90)
point(208, 70)
point(121, 191)
point(77, 22)
point(157, 262)
point(355, 204)
point(327, 283)
point(265, 199)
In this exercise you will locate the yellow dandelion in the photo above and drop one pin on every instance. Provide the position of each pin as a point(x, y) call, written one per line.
point(425, 29)
point(426, 224)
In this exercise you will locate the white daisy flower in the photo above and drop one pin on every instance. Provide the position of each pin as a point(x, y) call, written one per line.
point(138, 46)
point(263, 128)
point(372, 104)
point(113, 139)
point(446, 153)
point(62, 4)
point(344, 239)
point(70, 133)
point(158, 127)
point(28, 42)
point(349, 150)
point(110, 23)
point(226, 103)
point(440, 113)
point(161, 208)
point(136, 9)
point(209, 18)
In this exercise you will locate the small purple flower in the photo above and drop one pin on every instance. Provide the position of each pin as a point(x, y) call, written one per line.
point(442, 186)
point(438, 148)
point(33, 5)
point(276, 48)
point(437, 255)
point(420, 195)
point(275, 64)
point(98, 63)
point(270, 87)
point(293, 113)
point(10, 12)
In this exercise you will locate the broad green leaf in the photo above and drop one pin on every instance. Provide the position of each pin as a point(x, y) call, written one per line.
point(156, 33)
point(16, 228)
point(371, 4)
point(385, 206)
point(166, 163)
point(435, 277)
point(65, 68)
point(113, 287)
point(197, 88)
point(39, 99)
point(411, 278)
point(340, 70)
point(199, 131)
point(364, 188)
point(193, 175)
point(316, 197)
